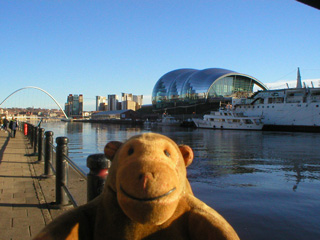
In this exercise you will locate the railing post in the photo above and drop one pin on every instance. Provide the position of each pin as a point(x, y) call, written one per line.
point(40, 144)
point(31, 133)
point(30, 130)
point(98, 165)
point(48, 153)
point(35, 136)
point(61, 170)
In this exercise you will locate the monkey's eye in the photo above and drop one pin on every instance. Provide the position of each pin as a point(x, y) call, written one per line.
point(166, 153)
point(130, 151)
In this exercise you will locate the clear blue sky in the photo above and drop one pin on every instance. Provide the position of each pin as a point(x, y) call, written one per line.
point(107, 47)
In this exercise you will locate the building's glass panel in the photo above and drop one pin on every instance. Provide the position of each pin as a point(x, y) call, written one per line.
point(231, 86)
point(243, 84)
point(160, 90)
point(196, 87)
point(176, 86)
point(222, 88)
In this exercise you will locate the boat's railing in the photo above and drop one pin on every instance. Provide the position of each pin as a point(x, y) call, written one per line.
point(72, 184)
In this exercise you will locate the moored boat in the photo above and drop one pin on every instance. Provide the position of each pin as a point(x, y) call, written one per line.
point(293, 109)
point(228, 119)
point(167, 120)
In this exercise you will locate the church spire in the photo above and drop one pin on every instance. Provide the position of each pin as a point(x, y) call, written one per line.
point(299, 85)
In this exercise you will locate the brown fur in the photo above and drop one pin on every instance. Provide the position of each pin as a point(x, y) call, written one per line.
point(146, 196)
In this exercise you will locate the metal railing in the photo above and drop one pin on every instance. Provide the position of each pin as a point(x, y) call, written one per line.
point(57, 163)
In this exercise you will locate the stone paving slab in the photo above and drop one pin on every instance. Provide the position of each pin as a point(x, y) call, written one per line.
point(26, 197)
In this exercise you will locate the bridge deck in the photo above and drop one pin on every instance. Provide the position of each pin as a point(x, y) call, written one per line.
point(25, 196)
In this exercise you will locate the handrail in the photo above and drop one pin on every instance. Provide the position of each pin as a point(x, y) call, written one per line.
point(76, 168)
point(71, 198)
point(97, 163)
point(51, 165)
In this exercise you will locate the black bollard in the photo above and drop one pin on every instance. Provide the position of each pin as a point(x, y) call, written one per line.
point(30, 129)
point(40, 144)
point(31, 134)
point(98, 165)
point(61, 171)
point(48, 153)
point(35, 140)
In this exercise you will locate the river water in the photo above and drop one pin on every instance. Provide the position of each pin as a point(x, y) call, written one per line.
point(266, 184)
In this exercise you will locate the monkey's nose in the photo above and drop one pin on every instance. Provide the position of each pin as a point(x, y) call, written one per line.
point(145, 178)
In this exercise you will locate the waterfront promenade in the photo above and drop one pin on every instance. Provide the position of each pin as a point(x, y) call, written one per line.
point(26, 197)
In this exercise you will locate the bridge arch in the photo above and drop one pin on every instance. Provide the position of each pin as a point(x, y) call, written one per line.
point(37, 89)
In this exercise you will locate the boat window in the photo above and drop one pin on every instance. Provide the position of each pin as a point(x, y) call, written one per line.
point(291, 94)
point(276, 100)
point(248, 121)
point(294, 97)
point(279, 100)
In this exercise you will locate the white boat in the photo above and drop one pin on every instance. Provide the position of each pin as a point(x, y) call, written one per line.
point(294, 109)
point(149, 123)
point(167, 120)
point(228, 119)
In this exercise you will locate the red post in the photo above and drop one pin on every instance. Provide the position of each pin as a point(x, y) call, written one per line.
point(25, 128)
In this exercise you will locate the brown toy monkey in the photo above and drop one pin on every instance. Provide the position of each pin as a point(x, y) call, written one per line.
point(146, 196)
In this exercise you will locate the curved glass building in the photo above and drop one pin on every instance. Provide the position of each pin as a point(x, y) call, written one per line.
point(186, 87)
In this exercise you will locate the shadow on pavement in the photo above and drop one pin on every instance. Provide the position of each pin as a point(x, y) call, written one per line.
point(4, 146)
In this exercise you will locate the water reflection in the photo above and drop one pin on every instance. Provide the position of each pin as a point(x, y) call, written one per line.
point(221, 153)
point(217, 153)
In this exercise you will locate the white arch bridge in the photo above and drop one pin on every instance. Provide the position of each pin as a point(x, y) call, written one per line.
point(37, 89)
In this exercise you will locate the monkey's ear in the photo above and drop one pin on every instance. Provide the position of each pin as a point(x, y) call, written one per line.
point(187, 154)
point(111, 148)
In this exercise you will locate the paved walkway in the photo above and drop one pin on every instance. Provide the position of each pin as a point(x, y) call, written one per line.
point(25, 196)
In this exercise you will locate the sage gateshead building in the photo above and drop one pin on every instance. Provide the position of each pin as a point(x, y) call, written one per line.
point(200, 90)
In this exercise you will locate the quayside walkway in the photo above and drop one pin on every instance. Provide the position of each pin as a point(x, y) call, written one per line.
point(25, 196)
